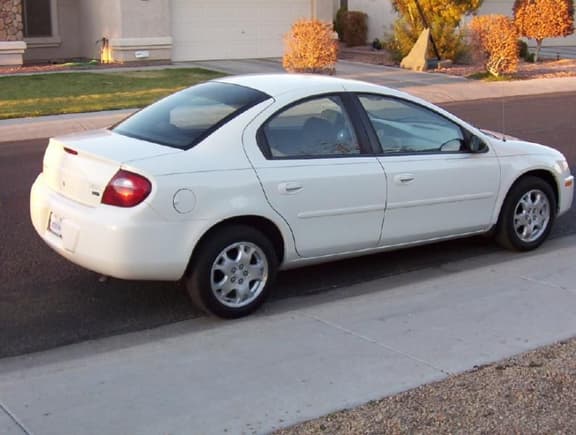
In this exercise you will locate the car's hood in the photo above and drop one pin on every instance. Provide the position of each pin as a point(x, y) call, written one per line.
point(498, 135)
point(506, 146)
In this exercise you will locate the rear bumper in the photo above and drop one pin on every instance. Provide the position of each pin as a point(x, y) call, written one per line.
point(126, 243)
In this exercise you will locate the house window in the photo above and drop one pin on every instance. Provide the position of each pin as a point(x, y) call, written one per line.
point(37, 20)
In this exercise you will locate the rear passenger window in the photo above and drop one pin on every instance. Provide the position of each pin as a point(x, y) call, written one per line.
point(318, 127)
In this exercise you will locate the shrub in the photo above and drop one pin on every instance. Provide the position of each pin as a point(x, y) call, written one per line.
point(310, 47)
point(524, 52)
point(339, 22)
point(541, 19)
point(495, 38)
point(449, 40)
point(442, 16)
point(355, 28)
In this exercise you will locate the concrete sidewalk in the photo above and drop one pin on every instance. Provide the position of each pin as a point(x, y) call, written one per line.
point(300, 358)
point(435, 87)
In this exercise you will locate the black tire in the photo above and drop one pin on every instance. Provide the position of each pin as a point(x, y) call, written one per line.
point(506, 232)
point(199, 280)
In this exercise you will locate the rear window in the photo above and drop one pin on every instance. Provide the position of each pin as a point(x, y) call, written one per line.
point(183, 119)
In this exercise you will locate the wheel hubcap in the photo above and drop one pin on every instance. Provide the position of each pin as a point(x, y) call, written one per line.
point(239, 274)
point(531, 215)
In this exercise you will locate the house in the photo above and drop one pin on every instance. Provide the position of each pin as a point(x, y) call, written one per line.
point(381, 16)
point(169, 30)
point(175, 30)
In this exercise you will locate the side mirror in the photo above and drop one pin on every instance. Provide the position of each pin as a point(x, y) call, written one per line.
point(477, 145)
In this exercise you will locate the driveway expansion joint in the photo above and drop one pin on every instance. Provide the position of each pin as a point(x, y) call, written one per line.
point(15, 420)
point(377, 343)
point(546, 284)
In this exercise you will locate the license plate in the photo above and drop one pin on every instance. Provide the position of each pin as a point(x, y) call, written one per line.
point(55, 225)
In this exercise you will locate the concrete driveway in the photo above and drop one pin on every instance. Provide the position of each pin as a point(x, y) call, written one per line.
point(382, 75)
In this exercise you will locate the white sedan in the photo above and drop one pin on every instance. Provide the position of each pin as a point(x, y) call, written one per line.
point(224, 183)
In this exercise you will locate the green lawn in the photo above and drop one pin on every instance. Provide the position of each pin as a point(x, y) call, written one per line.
point(52, 94)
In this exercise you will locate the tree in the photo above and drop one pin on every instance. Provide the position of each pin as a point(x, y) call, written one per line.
point(495, 38)
point(443, 17)
point(541, 19)
point(449, 11)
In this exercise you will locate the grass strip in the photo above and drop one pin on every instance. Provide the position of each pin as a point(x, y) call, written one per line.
point(59, 93)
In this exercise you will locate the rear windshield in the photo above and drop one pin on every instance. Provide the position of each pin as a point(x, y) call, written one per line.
point(185, 118)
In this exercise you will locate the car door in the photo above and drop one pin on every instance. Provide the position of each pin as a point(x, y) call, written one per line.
point(436, 186)
point(316, 174)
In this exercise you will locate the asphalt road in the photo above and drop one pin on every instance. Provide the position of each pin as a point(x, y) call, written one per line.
point(46, 301)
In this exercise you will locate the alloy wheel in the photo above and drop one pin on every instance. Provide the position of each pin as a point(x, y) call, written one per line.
point(239, 274)
point(531, 215)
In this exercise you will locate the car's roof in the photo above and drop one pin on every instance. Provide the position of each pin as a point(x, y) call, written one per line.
point(277, 84)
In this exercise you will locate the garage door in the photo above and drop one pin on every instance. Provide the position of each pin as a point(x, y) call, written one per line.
point(232, 29)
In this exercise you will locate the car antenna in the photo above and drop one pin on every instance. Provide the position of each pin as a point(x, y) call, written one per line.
point(503, 121)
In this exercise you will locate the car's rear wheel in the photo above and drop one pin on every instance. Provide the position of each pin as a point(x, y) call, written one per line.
point(232, 271)
point(527, 215)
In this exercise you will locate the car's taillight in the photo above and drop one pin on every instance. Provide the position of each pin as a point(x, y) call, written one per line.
point(126, 189)
point(71, 151)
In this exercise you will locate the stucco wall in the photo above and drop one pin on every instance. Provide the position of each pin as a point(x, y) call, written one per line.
point(66, 40)
point(98, 18)
point(380, 15)
point(145, 18)
point(80, 24)
point(325, 10)
point(145, 31)
point(503, 7)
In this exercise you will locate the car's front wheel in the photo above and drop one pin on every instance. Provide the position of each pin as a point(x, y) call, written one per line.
point(527, 214)
point(232, 271)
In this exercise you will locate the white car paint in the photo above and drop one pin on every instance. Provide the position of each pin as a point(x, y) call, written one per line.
point(331, 206)
point(518, 157)
point(431, 196)
point(323, 209)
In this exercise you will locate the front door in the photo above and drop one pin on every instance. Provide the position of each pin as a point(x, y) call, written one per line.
point(436, 188)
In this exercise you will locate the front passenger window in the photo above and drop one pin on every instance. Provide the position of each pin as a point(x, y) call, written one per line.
point(314, 128)
point(405, 127)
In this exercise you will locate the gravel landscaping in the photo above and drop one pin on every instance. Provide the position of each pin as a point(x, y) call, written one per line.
point(532, 393)
point(547, 68)
point(526, 70)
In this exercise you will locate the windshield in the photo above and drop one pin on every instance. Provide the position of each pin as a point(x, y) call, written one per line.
point(183, 119)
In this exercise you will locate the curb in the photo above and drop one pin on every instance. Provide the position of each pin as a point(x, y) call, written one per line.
point(48, 126)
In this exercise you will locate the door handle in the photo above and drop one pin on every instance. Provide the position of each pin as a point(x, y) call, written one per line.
point(404, 178)
point(290, 188)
